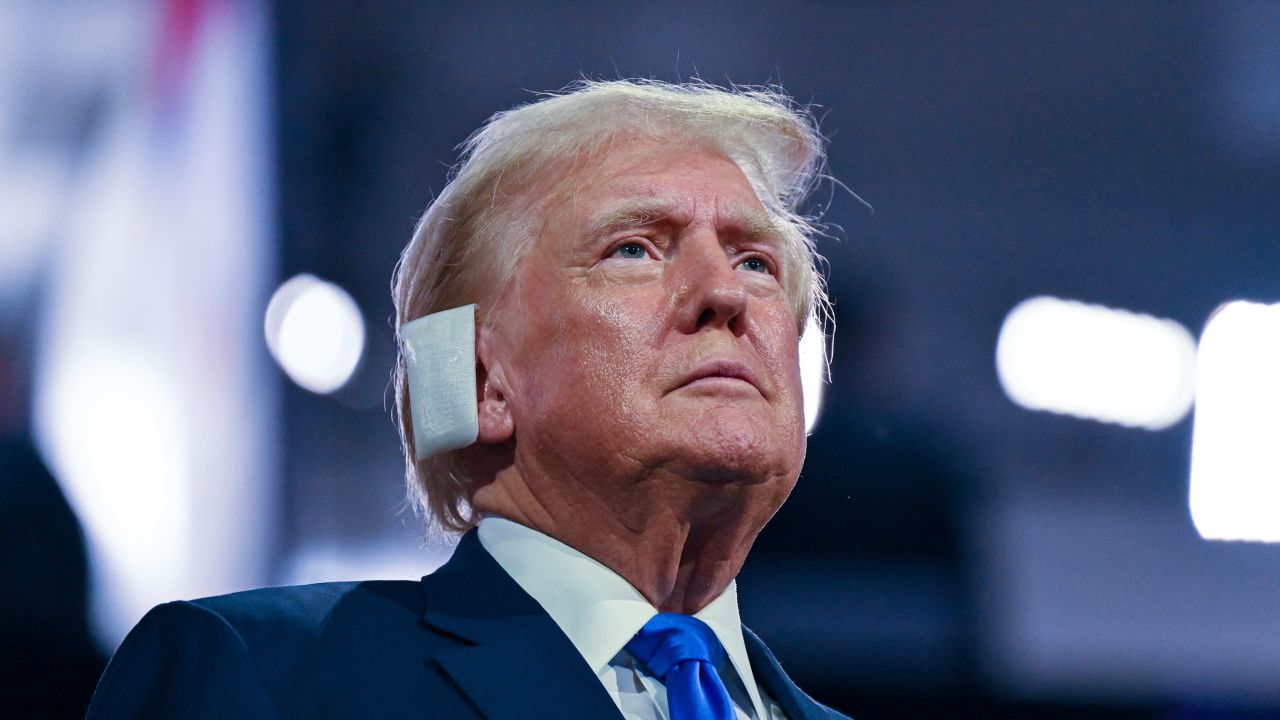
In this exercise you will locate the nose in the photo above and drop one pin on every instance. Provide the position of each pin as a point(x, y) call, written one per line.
point(711, 292)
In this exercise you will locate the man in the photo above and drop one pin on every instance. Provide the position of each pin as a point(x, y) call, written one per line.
point(640, 280)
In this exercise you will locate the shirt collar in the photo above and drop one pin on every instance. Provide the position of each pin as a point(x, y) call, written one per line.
point(595, 607)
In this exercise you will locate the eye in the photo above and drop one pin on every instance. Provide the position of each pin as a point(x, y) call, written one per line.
point(755, 264)
point(631, 251)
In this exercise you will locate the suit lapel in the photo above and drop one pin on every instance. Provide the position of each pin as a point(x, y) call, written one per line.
point(519, 663)
point(769, 674)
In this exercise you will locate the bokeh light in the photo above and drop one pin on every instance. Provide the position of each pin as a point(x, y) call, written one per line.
point(813, 371)
point(1235, 452)
point(315, 331)
point(1097, 363)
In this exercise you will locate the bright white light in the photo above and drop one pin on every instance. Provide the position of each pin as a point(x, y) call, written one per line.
point(1235, 451)
point(813, 371)
point(315, 332)
point(112, 425)
point(1094, 362)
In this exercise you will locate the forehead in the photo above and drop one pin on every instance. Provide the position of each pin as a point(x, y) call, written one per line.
point(646, 205)
point(643, 182)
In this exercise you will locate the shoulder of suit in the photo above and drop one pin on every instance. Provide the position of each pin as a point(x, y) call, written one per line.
point(279, 615)
point(298, 606)
point(282, 628)
point(242, 653)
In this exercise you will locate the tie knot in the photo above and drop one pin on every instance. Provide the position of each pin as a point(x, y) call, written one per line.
point(669, 639)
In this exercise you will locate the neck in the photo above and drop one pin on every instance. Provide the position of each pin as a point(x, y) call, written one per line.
point(678, 542)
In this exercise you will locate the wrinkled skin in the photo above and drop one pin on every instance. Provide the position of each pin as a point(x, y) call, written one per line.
point(641, 395)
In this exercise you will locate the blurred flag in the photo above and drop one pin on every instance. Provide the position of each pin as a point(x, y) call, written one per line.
point(154, 396)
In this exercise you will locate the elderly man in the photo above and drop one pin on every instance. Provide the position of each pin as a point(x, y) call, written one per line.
point(599, 385)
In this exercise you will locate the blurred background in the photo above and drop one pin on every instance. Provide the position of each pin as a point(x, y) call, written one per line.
point(201, 202)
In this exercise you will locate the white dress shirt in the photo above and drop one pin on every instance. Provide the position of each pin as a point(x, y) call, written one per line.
point(600, 612)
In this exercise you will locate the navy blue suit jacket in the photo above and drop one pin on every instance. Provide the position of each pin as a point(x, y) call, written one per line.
point(465, 642)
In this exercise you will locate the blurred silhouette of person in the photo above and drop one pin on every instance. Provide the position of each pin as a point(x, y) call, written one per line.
point(48, 661)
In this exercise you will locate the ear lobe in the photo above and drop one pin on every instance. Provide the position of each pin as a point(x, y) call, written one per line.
point(496, 425)
point(492, 412)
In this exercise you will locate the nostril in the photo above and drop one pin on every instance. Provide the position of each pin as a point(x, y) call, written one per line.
point(706, 317)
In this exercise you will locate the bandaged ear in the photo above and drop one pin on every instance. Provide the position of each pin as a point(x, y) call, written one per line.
point(440, 360)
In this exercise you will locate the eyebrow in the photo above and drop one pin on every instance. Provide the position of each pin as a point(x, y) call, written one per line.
point(632, 214)
point(754, 224)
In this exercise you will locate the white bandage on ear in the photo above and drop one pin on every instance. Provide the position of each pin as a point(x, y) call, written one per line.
point(440, 359)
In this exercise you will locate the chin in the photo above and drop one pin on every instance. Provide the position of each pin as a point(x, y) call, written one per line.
point(731, 450)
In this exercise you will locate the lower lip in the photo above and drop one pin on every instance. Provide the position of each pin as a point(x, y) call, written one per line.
point(719, 384)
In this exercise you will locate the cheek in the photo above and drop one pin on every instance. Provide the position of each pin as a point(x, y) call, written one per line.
point(612, 340)
point(585, 352)
point(614, 319)
point(779, 348)
point(783, 363)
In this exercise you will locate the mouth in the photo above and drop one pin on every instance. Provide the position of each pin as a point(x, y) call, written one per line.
point(730, 374)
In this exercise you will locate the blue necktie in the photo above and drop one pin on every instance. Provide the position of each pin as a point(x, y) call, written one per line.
point(684, 653)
